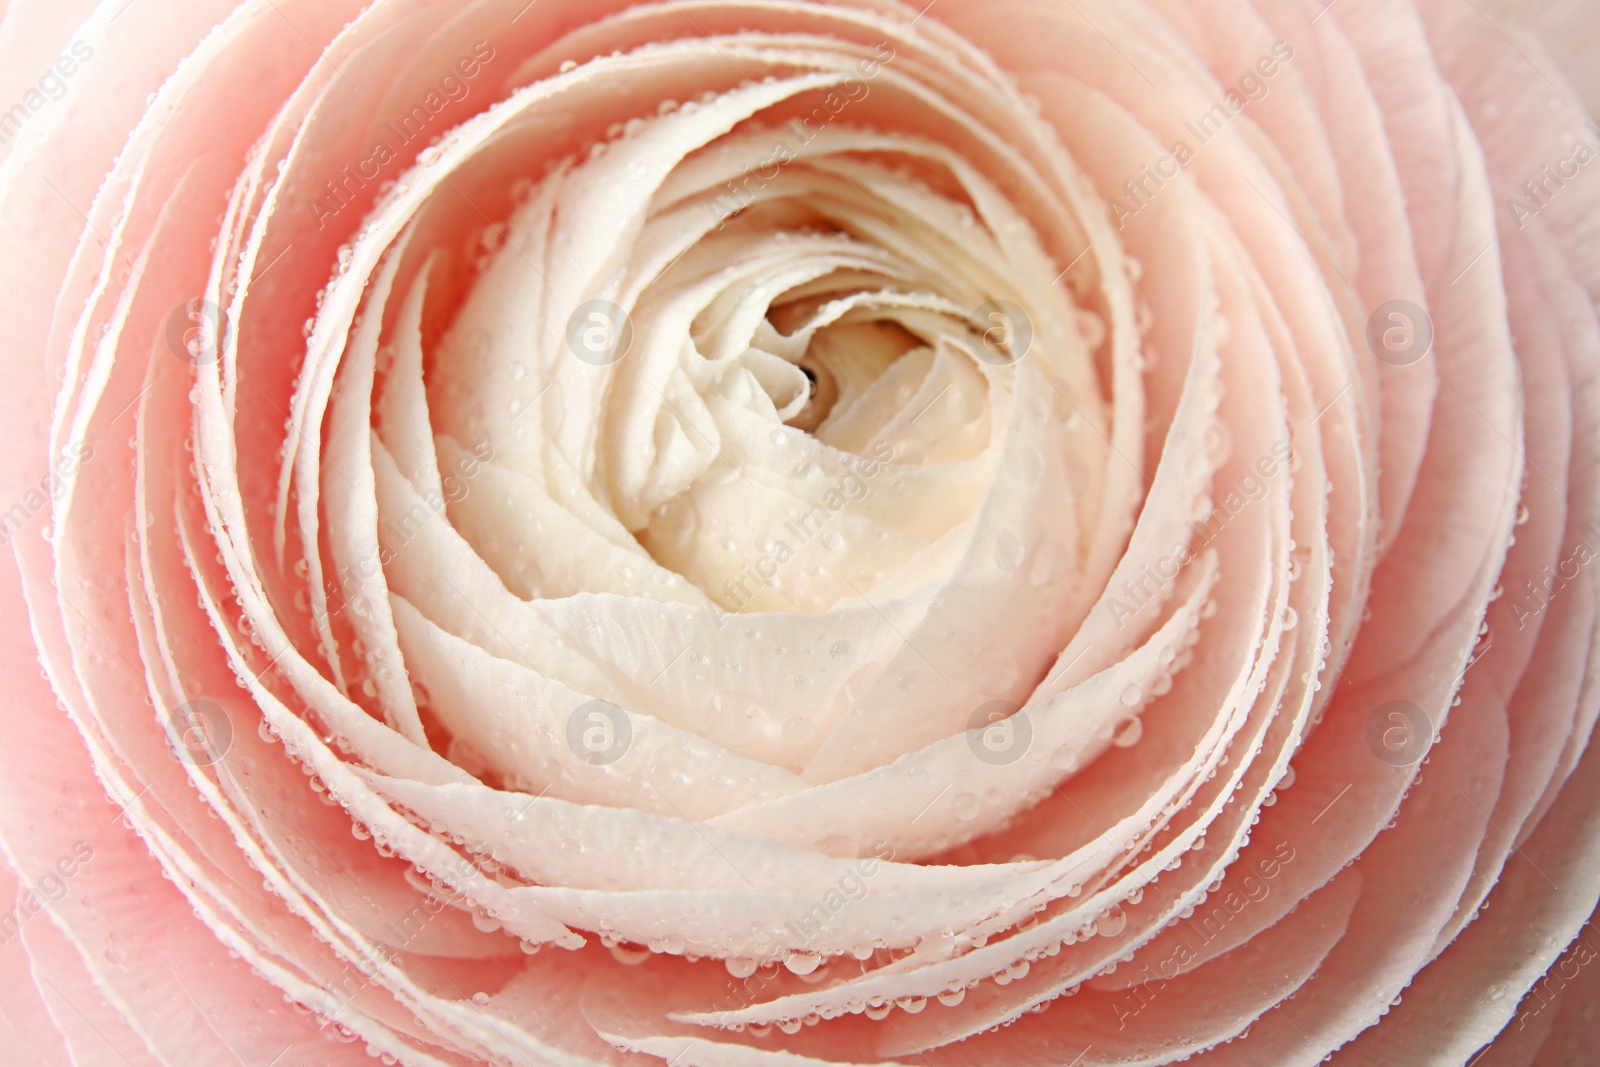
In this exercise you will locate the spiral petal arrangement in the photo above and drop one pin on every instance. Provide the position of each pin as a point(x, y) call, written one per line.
point(803, 532)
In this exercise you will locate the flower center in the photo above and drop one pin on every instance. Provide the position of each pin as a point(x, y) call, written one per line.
point(778, 335)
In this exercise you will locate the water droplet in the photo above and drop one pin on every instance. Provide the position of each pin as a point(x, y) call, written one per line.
point(798, 730)
point(1111, 923)
point(1065, 758)
point(629, 957)
point(1143, 319)
point(1031, 465)
point(1128, 735)
point(1219, 443)
point(1008, 551)
point(801, 963)
point(1091, 327)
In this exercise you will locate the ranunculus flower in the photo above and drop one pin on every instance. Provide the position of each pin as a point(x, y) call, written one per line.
point(736, 532)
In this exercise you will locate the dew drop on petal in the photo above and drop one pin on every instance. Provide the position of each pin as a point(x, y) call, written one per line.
point(1129, 733)
point(1008, 551)
point(802, 963)
point(1111, 923)
point(629, 957)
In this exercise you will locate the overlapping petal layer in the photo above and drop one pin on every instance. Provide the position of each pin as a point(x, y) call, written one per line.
point(741, 532)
